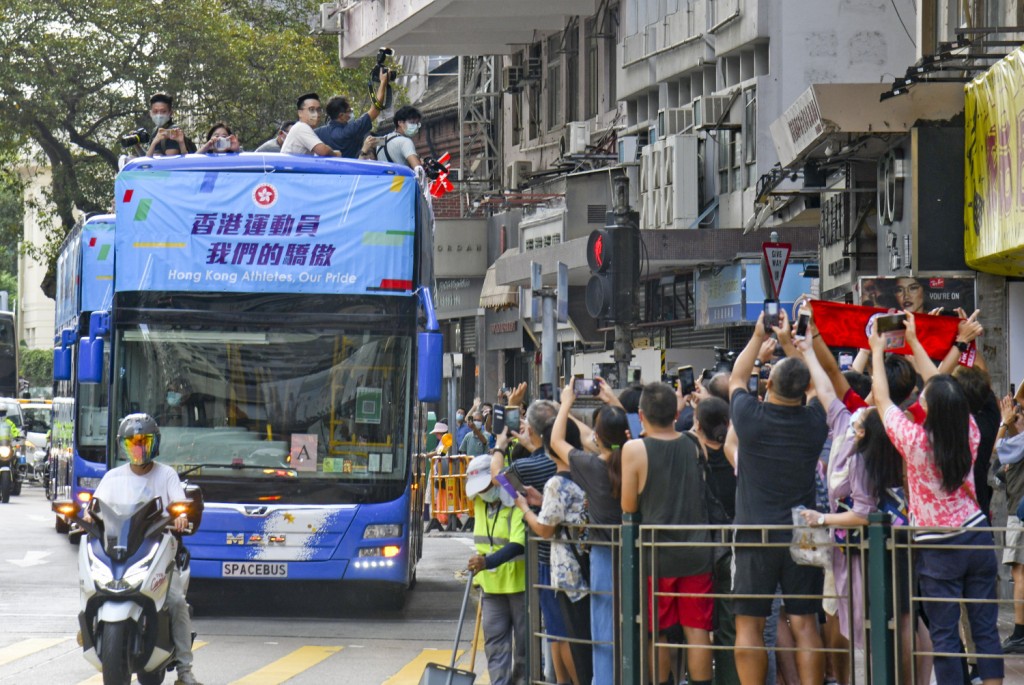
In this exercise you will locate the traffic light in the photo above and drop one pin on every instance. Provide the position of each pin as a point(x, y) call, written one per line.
point(613, 256)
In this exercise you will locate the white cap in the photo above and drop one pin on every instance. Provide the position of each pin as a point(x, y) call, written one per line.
point(478, 475)
point(440, 428)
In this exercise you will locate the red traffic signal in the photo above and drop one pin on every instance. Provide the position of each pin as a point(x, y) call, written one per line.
point(599, 251)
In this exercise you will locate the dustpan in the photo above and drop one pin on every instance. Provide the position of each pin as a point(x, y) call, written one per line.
point(439, 674)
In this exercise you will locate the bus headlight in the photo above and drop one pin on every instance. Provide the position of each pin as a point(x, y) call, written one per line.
point(380, 530)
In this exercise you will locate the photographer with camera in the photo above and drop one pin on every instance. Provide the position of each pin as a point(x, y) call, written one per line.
point(220, 138)
point(167, 138)
point(344, 134)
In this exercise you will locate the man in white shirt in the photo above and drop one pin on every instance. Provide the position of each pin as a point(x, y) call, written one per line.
point(301, 139)
point(142, 479)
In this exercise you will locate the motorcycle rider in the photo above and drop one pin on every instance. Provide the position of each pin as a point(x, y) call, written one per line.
point(142, 479)
point(8, 429)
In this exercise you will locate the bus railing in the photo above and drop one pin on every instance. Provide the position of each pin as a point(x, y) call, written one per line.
point(878, 602)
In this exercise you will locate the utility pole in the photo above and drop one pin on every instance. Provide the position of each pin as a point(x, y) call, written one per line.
point(554, 302)
point(627, 227)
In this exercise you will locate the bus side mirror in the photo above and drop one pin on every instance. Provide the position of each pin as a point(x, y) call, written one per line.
point(62, 363)
point(429, 366)
point(90, 360)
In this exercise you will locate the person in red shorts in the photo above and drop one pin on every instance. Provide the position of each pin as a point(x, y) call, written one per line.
point(662, 479)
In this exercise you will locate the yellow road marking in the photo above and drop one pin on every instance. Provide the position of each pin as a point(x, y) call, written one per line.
point(288, 666)
point(98, 678)
point(21, 649)
point(412, 671)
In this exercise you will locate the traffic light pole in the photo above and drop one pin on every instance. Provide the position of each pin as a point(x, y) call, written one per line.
point(623, 347)
point(549, 344)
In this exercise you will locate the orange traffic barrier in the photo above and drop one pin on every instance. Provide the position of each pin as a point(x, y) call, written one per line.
point(448, 488)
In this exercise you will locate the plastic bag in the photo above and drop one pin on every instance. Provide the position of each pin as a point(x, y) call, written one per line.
point(811, 546)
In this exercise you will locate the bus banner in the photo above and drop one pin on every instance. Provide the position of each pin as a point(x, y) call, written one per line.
point(228, 231)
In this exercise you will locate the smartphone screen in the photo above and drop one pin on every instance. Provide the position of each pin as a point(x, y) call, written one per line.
point(687, 383)
point(635, 427)
point(547, 392)
point(502, 480)
point(771, 314)
point(890, 323)
point(512, 418)
point(753, 381)
point(498, 420)
point(586, 387)
point(801, 325)
point(513, 480)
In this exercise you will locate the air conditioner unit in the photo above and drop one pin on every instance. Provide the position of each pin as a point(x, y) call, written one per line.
point(675, 120)
point(511, 77)
point(330, 17)
point(533, 68)
point(682, 181)
point(628, 149)
point(517, 174)
point(577, 135)
point(709, 112)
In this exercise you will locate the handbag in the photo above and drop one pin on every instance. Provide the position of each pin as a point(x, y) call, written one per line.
point(811, 546)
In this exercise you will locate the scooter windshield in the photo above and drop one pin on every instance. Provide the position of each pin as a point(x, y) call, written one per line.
point(124, 525)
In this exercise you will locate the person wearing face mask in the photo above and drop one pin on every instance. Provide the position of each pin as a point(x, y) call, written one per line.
point(499, 568)
point(182, 406)
point(461, 426)
point(275, 143)
point(477, 440)
point(341, 132)
point(220, 138)
point(166, 138)
point(302, 139)
point(397, 146)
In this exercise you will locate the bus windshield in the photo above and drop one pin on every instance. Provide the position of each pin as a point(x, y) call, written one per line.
point(249, 402)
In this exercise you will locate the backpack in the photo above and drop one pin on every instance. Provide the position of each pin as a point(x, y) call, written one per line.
point(384, 146)
point(713, 507)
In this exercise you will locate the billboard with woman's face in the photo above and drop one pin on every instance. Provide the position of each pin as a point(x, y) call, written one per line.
point(918, 294)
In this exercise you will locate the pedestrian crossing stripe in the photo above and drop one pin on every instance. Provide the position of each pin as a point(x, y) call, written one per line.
point(24, 648)
point(288, 666)
point(98, 678)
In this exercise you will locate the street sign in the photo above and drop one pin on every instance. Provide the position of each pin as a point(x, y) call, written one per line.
point(562, 302)
point(776, 257)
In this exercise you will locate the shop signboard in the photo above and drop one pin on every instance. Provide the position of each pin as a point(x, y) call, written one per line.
point(993, 189)
point(456, 298)
point(919, 294)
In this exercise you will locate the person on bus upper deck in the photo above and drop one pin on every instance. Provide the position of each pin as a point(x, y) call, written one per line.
point(343, 134)
point(397, 146)
point(275, 143)
point(167, 138)
point(301, 139)
point(220, 138)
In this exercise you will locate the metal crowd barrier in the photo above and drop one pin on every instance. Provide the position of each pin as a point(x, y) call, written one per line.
point(448, 490)
point(876, 653)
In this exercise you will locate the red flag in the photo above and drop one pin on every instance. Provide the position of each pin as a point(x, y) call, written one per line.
point(845, 325)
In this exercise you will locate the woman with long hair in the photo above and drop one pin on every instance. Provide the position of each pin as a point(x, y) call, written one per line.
point(939, 457)
point(598, 470)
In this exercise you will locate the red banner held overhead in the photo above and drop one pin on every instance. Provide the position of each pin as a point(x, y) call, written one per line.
point(845, 325)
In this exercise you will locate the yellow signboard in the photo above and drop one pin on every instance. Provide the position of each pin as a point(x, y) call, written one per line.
point(994, 168)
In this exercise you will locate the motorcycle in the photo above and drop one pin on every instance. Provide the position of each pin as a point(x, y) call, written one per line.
point(10, 471)
point(125, 570)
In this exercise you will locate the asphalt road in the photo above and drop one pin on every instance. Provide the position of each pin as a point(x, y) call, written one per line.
point(256, 634)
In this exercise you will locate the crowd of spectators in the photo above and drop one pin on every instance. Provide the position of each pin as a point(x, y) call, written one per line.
point(816, 446)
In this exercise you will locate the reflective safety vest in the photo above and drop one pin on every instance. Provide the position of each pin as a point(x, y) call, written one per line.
point(492, 530)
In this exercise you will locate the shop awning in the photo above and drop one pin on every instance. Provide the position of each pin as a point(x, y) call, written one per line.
point(494, 296)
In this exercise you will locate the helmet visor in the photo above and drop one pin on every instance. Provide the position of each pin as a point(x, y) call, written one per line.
point(139, 448)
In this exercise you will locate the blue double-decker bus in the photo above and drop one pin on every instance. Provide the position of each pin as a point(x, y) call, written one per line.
point(78, 450)
point(266, 312)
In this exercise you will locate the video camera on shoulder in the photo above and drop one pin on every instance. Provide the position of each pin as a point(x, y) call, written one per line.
point(139, 136)
point(377, 73)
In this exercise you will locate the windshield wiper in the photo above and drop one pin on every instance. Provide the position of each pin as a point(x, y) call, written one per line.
point(239, 466)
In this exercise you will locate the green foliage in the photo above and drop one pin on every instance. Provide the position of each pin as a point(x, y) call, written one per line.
point(12, 211)
point(36, 366)
point(75, 74)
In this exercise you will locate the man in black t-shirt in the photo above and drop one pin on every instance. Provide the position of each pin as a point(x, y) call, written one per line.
point(780, 441)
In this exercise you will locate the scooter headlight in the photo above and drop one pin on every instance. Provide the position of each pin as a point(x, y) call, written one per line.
point(137, 572)
point(99, 571)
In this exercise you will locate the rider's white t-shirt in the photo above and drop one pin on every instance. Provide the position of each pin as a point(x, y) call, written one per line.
point(122, 485)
